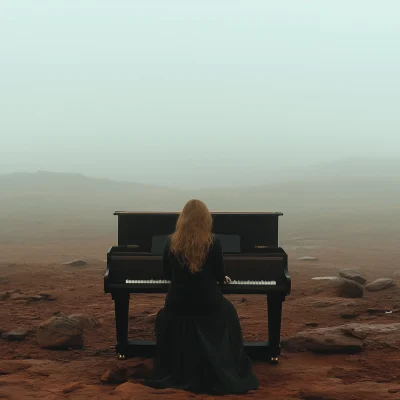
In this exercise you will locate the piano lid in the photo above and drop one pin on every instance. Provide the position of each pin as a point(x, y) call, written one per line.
point(255, 229)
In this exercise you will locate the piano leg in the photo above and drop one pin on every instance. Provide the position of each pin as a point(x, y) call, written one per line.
point(121, 303)
point(274, 303)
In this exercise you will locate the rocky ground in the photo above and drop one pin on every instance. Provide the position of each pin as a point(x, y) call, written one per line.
point(341, 334)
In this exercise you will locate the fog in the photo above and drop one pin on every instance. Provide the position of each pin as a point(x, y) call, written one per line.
point(194, 94)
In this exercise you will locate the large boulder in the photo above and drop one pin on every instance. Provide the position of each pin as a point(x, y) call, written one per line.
point(60, 332)
point(324, 340)
point(349, 338)
point(380, 284)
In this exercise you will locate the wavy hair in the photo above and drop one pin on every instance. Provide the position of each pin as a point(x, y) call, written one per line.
point(193, 235)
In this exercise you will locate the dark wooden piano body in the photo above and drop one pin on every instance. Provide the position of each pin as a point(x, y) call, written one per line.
point(252, 257)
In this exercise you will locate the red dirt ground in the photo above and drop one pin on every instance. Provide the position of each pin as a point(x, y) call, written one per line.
point(29, 372)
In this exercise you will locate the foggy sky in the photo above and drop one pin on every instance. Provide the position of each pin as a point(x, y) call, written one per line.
point(196, 93)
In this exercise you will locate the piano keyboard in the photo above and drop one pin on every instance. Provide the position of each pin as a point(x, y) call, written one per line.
point(161, 282)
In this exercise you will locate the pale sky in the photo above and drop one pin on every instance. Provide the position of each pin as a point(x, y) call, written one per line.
point(196, 93)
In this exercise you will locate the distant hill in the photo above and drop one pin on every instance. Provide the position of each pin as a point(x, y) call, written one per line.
point(344, 169)
point(46, 202)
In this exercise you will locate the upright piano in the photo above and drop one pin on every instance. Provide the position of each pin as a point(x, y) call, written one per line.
point(252, 257)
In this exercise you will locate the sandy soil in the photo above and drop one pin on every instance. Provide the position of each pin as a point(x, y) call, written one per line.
point(29, 372)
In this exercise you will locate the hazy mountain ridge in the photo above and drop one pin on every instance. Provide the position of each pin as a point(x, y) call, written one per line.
point(48, 205)
point(354, 184)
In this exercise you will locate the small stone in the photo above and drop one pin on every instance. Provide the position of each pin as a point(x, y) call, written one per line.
point(352, 275)
point(311, 324)
point(152, 317)
point(380, 284)
point(72, 387)
point(76, 263)
point(307, 258)
point(114, 376)
point(17, 335)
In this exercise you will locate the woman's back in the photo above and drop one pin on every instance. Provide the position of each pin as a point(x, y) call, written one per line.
point(198, 292)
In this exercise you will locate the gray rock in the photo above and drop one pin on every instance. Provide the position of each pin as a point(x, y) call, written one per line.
point(350, 338)
point(307, 258)
point(352, 275)
point(349, 289)
point(325, 278)
point(380, 284)
point(17, 335)
point(363, 331)
point(324, 340)
point(76, 263)
point(60, 332)
point(396, 274)
point(343, 287)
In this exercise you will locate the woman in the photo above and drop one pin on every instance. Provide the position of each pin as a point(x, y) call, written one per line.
point(199, 339)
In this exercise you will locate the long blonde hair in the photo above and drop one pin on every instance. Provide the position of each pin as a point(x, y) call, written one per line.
point(193, 235)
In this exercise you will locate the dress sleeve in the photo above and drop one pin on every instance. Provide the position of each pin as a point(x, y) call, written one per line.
point(167, 269)
point(218, 261)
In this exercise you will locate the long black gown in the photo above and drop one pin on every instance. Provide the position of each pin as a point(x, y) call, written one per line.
point(198, 333)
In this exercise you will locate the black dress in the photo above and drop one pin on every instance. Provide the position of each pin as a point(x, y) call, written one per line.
point(198, 333)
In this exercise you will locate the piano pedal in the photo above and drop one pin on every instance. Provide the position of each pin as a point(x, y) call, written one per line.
point(274, 360)
point(121, 357)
